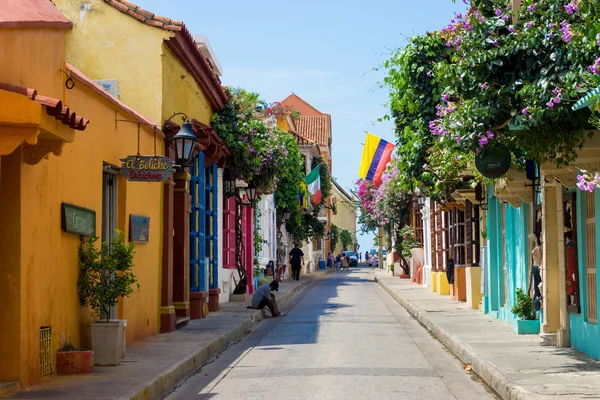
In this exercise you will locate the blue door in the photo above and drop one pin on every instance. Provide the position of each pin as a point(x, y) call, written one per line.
point(197, 225)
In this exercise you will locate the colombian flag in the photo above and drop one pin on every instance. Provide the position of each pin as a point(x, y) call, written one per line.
point(376, 154)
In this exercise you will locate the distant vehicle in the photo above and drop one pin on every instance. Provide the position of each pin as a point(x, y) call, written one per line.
point(374, 251)
point(353, 258)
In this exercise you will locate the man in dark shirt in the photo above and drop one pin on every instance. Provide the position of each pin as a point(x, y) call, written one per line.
point(296, 260)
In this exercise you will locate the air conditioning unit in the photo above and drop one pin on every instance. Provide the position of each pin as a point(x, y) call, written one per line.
point(110, 85)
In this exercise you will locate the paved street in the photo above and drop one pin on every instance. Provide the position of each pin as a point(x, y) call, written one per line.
point(344, 338)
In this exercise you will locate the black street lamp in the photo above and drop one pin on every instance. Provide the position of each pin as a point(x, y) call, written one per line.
point(184, 142)
point(251, 193)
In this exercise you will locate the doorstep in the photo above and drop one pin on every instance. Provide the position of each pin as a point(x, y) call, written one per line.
point(156, 364)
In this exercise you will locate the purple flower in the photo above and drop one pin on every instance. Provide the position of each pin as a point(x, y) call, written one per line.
point(550, 104)
point(489, 134)
point(504, 18)
point(495, 43)
point(598, 39)
point(529, 24)
point(594, 69)
point(444, 97)
point(483, 141)
point(498, 12)
point(565, 30)
point(532, 7)
point(551, 26)
point(550, 35)
point(458, 140)
point(524, 111)
point(569, 8)
point(480, 18)
point(484, 85)
point(555, 91)
point(556, 100)
point(429, 74)
point(511, 28)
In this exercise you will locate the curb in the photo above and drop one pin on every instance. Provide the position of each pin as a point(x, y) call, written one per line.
point(505, 387)
point(164, 382)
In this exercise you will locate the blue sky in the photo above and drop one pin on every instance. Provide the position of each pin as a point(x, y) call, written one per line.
point(324, 51)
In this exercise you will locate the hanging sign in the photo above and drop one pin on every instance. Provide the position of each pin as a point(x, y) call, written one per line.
point(493, 162)
point(147, 168)
point(139, 228)
point(78, 220)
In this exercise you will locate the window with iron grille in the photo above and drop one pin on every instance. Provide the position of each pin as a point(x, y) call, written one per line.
point(45, 350)
point(571, 261)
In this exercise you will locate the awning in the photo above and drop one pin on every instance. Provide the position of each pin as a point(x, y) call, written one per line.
point(43, 124)
point(590, 98)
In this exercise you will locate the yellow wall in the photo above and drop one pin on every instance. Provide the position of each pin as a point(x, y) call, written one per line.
point(49, 266)
point(107, 44)
point(345, 217)
point(43, 50)
point(181, 92)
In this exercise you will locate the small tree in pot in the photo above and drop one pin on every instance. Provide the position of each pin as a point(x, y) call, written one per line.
point(105, 276)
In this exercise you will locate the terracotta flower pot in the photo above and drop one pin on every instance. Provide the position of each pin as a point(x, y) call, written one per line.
point(75, 362)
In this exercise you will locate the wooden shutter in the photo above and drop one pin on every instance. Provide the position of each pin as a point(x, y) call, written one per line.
point(590, 259)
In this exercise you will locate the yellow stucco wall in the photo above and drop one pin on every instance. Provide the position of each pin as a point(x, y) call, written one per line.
point(345, 217)
point(47, 273)
point(43, 49)
point(107, 44)
point(181, 92)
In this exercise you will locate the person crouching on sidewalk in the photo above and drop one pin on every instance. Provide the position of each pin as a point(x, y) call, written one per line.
point(264, 298)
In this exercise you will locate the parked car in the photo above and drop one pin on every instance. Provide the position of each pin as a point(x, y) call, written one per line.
point(353, 258)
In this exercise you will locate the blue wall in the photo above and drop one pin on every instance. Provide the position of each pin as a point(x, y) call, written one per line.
point(585, 336)
point(517, 257)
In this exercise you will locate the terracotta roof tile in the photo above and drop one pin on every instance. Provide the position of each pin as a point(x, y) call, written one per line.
point(31, 14)
point(294, 98)
point(54, 107)
point(145, 16)
point(316, 129)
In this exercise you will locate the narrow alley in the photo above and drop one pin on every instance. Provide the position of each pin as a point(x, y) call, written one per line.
point(344, 327)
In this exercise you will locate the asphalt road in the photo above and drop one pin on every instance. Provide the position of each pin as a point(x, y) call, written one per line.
point(342, 338)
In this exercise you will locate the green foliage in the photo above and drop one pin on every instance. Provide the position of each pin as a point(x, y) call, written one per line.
point(346, 239)
point(335, 230)
point(406, 241)
point(258, 148)
point(105, 274)
point(523, 307)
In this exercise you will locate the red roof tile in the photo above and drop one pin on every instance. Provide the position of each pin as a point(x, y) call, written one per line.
point(54, 107)
point(317, 129)
point(31, 14)
point(146, 16)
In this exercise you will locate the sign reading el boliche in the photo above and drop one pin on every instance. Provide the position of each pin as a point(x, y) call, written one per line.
point(147, 168)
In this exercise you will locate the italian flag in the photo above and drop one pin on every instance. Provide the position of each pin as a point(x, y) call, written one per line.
point(313, 183)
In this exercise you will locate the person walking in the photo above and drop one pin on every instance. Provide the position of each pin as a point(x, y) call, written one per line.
point(338, 262)
point(330, 260)
point(344, 261)
point(296, 259)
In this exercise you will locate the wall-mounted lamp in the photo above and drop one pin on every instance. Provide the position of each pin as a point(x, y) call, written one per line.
point(533, 174)
point(229, 189)
point(184, 142)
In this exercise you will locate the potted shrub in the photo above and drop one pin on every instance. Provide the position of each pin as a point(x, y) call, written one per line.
point(105, 276)
point(70, 360)
point(526, 324)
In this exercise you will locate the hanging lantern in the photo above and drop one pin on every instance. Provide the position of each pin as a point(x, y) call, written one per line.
point(184, 144)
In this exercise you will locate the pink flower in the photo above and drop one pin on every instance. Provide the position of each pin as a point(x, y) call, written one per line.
point(524, 111)
point(483, 141)
point(550, 104)
point(529, 25)
point(556, 100)
point(484, 85)
point(489, 134)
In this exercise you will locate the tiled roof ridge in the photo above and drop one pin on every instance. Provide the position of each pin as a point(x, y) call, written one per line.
point(302, 100)
point(146, 16)
point(54, 107)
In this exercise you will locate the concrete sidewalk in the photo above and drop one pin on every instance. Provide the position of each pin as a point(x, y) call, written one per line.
point(154, 365)
point(515, 366)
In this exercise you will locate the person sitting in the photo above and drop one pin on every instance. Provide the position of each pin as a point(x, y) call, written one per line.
point(264, 298)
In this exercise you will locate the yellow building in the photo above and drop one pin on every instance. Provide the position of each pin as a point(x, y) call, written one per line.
point(50, 158)
point(160, 69)
point(344, 216)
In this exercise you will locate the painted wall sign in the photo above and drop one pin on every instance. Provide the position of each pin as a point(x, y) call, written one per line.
point(147, 168)
point(139, 228)
point(493, 162)
point(78, 220)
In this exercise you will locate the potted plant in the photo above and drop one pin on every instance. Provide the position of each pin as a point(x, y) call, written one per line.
point(526, 324)
point(71, 360)
point(105, 276)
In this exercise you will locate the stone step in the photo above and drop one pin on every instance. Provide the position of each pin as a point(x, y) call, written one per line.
point(180, 322)
point(7, 388)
